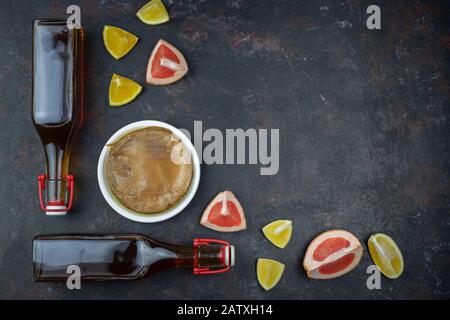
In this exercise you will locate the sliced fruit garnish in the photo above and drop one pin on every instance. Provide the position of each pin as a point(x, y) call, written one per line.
point(153, 13)
point(269, 272)
point(122, 90)
point(224, 213)
point(118, 42)
point(386, 255)
point(166, 64)
point(332, 254)
point(278, 232)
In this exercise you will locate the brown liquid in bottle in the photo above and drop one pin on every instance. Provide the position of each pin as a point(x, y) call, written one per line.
point(57, 110)
point(121, 257)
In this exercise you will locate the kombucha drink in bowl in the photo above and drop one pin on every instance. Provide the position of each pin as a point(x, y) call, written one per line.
point(148, 171)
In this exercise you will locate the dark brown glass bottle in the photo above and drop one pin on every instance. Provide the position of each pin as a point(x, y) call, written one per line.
point(124, 257)
point(57, 108)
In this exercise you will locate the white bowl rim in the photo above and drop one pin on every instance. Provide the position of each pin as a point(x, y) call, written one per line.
point(141, 217)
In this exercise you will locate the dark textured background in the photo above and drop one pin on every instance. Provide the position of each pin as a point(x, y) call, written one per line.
point(364, 128)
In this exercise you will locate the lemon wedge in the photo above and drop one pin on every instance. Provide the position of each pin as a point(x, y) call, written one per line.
point(386, 255)
point(118, 42)
point(122, 90)
point(269, 272)
point(278, 232)
point(153, 13)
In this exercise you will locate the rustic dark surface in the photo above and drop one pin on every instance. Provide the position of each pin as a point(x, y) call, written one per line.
point(364, 138)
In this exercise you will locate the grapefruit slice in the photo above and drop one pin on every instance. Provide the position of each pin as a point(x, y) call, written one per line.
point(278, 232)
point(166, 64)
point(269, 272)
point(332, 254)
point(224, 213)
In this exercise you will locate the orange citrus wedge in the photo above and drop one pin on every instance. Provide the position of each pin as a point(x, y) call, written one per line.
point(153, 13)
point(122, 90)
point(118, 42)
point(386, 255)
point(278, 232)
point(269, 272)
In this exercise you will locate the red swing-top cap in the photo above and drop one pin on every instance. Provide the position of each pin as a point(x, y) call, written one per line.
point(55, 208)
point(227, 256)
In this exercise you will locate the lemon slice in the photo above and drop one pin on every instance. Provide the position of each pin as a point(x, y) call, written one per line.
point(269, 272)
point(118, 42)
point(386, 255)
point(278, 232)
point(122, 90)
point(153, 13)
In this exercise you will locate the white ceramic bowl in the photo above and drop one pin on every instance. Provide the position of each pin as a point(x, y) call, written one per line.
point(150, 217)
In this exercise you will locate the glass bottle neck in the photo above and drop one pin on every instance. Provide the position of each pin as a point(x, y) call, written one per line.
point(164, 256)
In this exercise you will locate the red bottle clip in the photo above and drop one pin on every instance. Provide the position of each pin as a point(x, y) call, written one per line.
point(41, 185)
point(225, 251)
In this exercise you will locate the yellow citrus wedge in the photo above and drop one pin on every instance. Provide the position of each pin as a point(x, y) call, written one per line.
point(269, 272)
point(386, 255)
point(118, 42)
point(153, 13)
point(278, 232)
point(122, 90)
